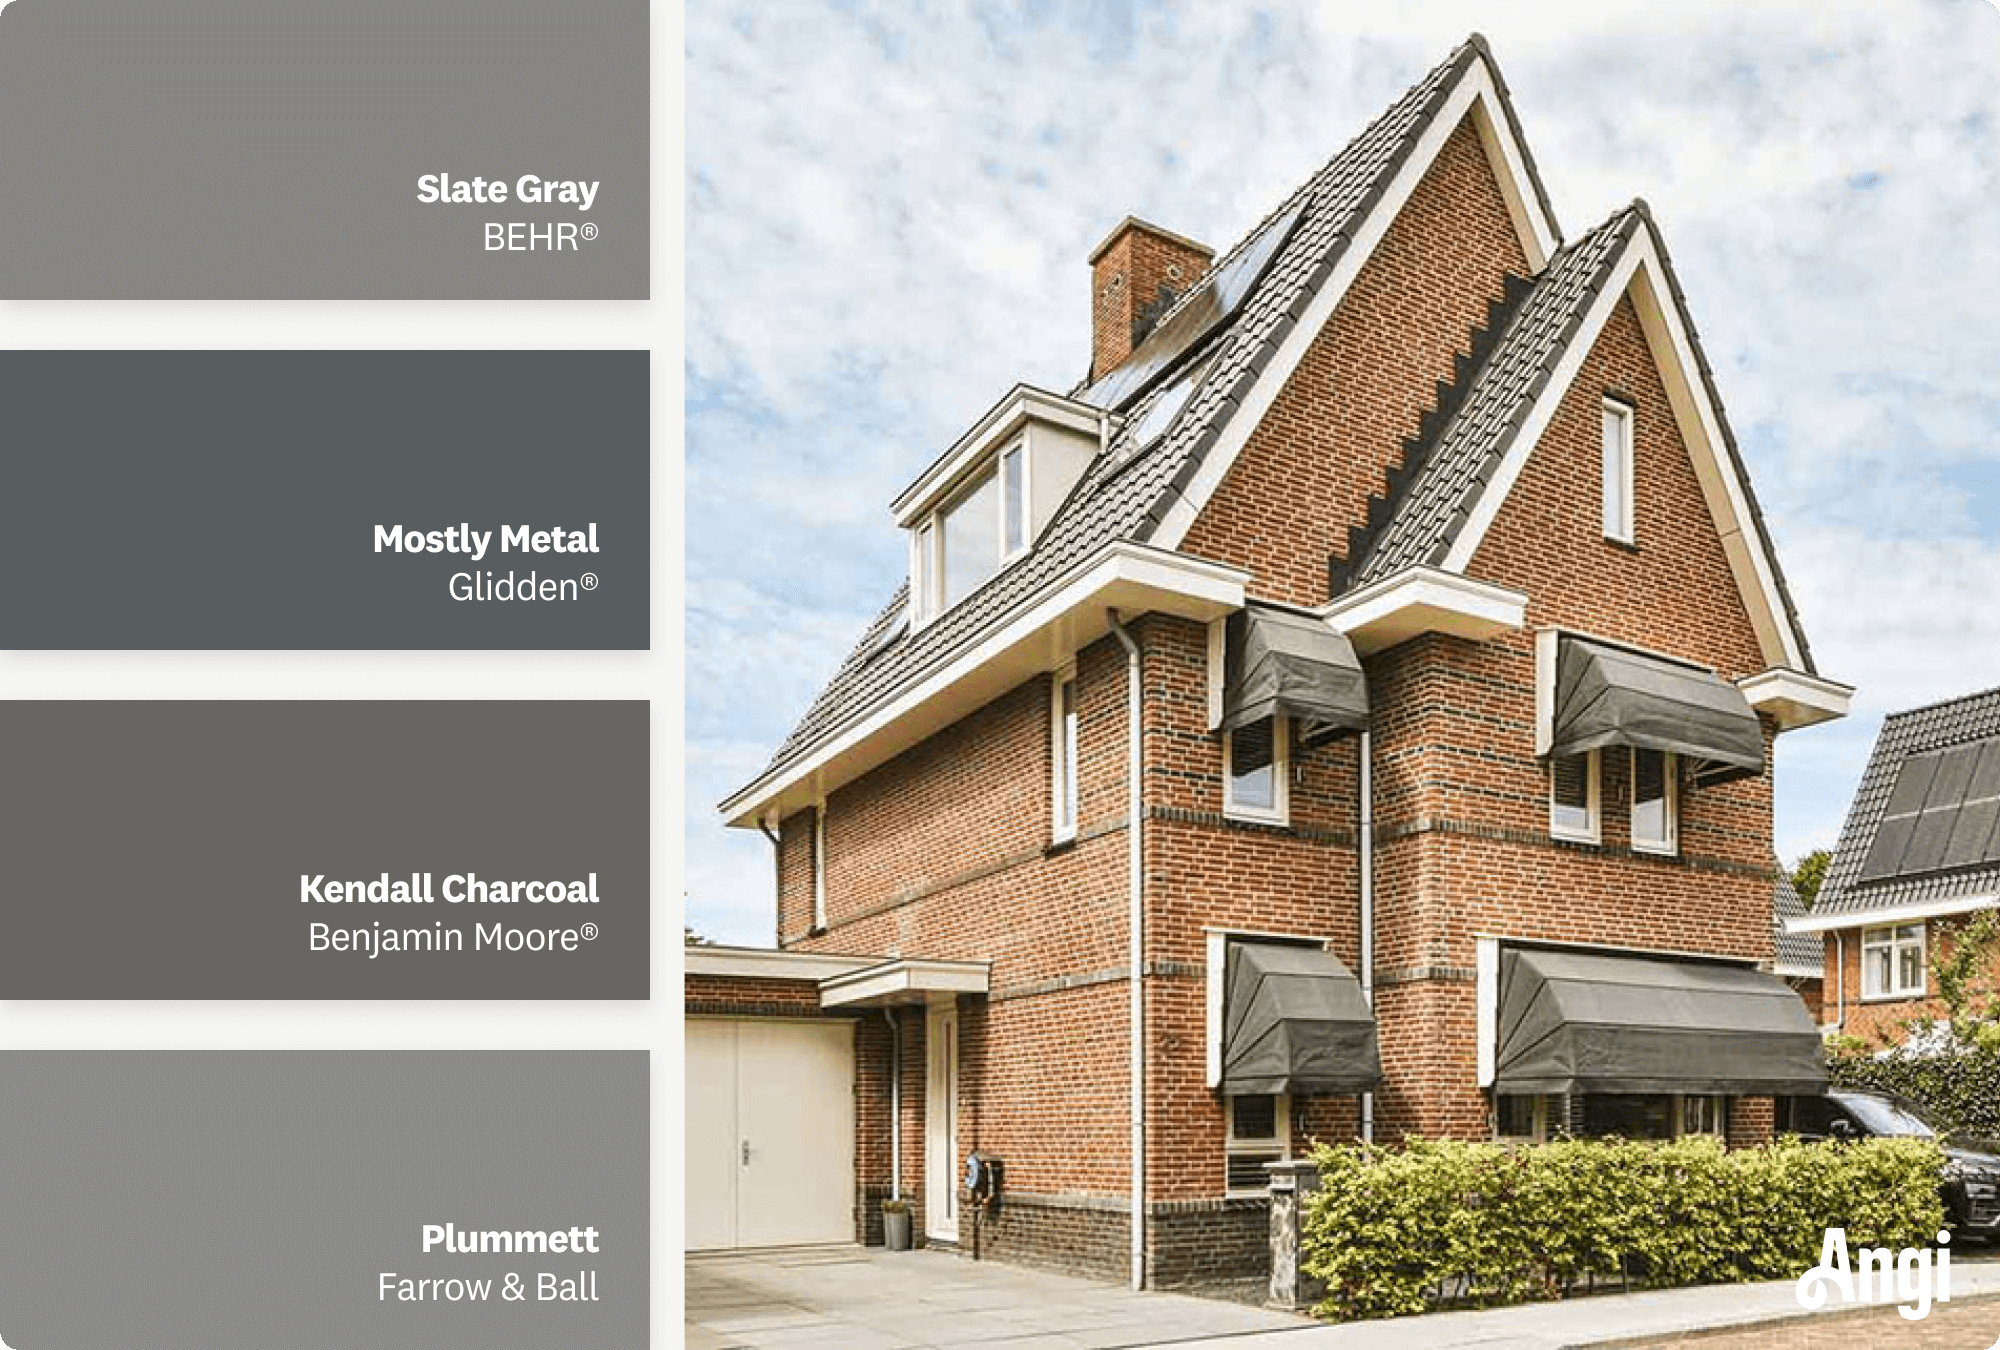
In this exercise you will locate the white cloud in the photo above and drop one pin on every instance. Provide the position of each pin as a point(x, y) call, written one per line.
point(889, 209)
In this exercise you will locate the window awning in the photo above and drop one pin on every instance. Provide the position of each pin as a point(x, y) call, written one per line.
point(1607, 695)
point(1277, 661)
point(1575, 1021)
point(1296, 1021)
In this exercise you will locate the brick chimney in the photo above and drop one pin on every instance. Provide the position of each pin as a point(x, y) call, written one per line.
point(1134, 275)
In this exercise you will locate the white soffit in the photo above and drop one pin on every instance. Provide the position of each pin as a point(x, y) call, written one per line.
point(761, 963)
point(1066, 616)
point(1794, 698)
point(904, 981)
point(1014, 410)
point(1424, 600)
point(1889, 914)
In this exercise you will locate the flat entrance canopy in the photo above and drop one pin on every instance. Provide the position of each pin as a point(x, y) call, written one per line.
point(902, 981)
point(1296, 1021)
point(1577, 1021)
point(1277, 661)
point(1610, 695)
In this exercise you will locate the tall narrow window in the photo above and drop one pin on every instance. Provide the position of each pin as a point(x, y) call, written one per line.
point(1063, 789)
point(971, 539)
point(1255, 770)
point(1573, 797)
point(1259, 1130)
point(1655, 803)
point(819, 869)
point(1013, 501)
point(923, 573)
point(1618, 471)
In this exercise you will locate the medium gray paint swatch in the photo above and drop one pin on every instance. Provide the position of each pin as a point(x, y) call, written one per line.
point(209, 500)
point(240, 1200)
point(161, 850)
point(274, 149)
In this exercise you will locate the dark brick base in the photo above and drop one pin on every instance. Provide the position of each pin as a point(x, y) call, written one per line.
point(1211, 1242)
point(1074, 1237)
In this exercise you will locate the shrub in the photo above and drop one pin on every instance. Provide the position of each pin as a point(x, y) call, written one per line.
point(1959, 1087)
point(1395, 1231)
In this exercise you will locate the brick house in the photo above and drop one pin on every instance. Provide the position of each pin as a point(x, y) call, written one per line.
point(1919, 853)
point(1379, 651)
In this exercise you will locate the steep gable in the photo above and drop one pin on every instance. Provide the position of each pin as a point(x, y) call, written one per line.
point(1306, 473)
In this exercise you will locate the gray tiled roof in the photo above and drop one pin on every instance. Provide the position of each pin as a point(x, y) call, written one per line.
point(1794, 949)
point(1939, 726)
point(1124, 497)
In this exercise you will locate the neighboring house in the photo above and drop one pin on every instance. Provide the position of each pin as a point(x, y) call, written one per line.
point(1800, 960)
point(1379, 651)
point(1919, 852)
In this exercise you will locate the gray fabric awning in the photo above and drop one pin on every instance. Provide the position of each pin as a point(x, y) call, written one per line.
point(1295, 1021)
point(1607, 695)
point(1575, 1021)
point(1278, 661)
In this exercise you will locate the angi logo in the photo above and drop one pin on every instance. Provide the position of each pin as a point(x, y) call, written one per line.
point(1878, 1275)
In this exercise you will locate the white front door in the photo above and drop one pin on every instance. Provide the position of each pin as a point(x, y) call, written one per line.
point(770, 1132)
point(941, 1123)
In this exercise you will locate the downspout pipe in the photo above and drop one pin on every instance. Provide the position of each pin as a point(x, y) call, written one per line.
point(895, 1103)
point(1839, 981)
point(777, 880)
point(1136, 880)
point(1366, 848)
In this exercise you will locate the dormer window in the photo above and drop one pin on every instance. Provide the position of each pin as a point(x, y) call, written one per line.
point(969, 538)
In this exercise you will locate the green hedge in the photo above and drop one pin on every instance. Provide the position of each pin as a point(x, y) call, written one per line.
point(1396, 1231)
point(1960, 1089)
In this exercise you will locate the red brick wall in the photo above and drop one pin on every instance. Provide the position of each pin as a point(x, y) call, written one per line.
point(1307, 472)
point(1126, 278)
point(1883, 1020)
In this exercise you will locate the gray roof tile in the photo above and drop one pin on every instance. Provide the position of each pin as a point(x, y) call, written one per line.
point(1975, 717)
point(1794, 949)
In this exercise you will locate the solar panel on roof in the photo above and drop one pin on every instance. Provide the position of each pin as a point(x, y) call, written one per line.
point(1943, 812)
point(1214, 300)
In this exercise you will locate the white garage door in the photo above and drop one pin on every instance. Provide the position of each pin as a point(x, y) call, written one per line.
point(770, 1133)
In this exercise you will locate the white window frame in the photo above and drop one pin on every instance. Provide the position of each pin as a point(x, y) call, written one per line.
point(1594, 774)
point(1620, 515)
point(1720, 1105)
point(1280, 810)
point(1670, 774)
point(927, 557)
point(819, 868)
point(1065, 738)
point(1887, 937)
point(1271, 1150)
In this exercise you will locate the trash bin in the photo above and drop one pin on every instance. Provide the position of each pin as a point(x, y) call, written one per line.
point(896, 1225)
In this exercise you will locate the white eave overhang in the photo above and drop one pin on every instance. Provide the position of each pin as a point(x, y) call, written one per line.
point(904, 981)
point(1424, 600)
point(1891, 914)
point(1021, 404)
point(1795, 699)
point(763, 963)
point(1037, 636)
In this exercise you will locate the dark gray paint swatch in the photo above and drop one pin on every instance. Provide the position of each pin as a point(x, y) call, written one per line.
point(238, 1200)
point(155, 850)
point(272, 149)
point(226, 499)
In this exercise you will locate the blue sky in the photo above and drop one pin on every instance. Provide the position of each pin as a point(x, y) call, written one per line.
point(889, 209)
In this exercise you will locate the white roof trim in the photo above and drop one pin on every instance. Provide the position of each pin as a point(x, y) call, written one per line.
point(1639, 272)
point(762, 963)
point(1064, 616)
point(1795, 698)
point(1474, 90)
point(912, 980)
point(1877, 918)
point(1001, 421)
point(1786, 970)
point(1424, 600)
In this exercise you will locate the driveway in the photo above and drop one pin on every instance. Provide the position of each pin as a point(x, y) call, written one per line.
point(854, 1298)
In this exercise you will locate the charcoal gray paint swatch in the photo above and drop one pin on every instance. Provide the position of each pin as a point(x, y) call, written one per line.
point(340, 499)
point(240, 1200)
point(324, 850)
point(288, 149)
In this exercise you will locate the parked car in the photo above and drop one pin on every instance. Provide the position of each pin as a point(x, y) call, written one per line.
point(1972, 1174)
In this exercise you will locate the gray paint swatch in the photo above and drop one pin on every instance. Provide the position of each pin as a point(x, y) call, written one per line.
point(238, 1200)
point(208, 500)
point(190, 850)
point(276, 149)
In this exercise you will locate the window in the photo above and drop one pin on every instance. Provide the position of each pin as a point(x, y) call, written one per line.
point(1259, 1131)
point(1652, 1115)
point(1618, 419)
point(1531, 1120)
point(1063, 721)
point(1655, 801)
point(959, 546)
point(1256, 763)
point(1892, 961)
point(1704, 1115)
point(819, 869)
point(1573, 797)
